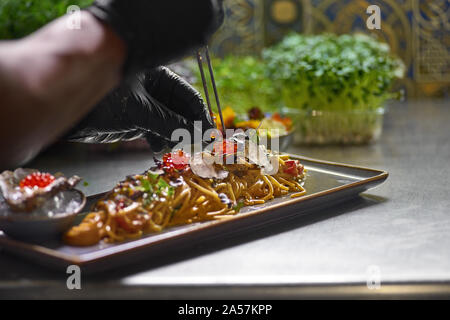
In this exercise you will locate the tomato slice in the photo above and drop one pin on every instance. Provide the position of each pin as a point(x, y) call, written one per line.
point(293, 167)
point(290, 168)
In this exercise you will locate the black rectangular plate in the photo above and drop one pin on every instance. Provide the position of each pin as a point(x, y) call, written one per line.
point(327, 183)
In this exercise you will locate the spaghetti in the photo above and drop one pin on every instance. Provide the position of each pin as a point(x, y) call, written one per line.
point(174, 194)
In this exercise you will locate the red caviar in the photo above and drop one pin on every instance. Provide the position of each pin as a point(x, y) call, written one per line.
point(226, 147)
point(176, 160)
point(37, 179)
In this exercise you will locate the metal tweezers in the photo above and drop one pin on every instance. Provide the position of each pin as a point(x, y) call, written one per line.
point(213, 82)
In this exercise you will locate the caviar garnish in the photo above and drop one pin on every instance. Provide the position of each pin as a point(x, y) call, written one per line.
point(176, 160)
point(37, 179)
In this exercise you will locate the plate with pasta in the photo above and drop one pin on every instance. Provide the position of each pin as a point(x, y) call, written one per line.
point(188, 197)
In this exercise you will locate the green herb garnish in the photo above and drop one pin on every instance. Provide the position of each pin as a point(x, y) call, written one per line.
point(154, 186)
point(164, 187)
point(152, 176)
point(145, 186)
point(238, 206)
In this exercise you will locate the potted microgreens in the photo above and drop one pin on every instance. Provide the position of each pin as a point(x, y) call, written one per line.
point(242, 83)
point(335, 86)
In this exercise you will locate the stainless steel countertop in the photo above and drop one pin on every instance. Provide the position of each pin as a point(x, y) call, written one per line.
point(401, 229)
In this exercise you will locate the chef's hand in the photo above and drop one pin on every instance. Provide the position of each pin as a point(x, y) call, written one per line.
point(151, 105)
point(159, 32)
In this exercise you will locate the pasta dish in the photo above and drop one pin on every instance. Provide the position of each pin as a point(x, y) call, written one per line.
point(185, 188)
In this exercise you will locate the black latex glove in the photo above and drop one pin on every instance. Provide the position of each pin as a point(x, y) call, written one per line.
point(151, 105)
point(160, 31)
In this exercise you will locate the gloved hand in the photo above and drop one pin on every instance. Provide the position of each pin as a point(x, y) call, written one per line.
point(159, 32)
point(152, 105)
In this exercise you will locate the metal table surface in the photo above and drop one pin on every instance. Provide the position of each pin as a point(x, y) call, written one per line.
point(400, 230)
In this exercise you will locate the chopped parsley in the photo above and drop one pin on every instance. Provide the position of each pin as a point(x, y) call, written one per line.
point(154, 186)
point(238, 206)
